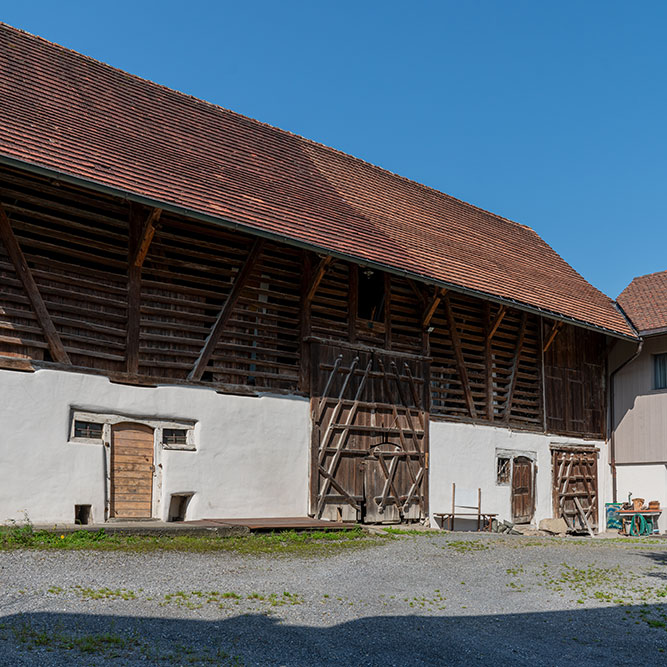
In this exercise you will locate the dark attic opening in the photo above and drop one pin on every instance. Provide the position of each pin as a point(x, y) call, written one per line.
point(370, 296)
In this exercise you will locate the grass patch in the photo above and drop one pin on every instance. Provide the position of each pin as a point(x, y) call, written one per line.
point(111, 646)
point(274, 543)
point(408, 531)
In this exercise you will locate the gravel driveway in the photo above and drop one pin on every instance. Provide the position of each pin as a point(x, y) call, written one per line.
point(429, 599)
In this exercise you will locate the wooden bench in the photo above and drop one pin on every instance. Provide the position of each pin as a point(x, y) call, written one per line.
point(483, 518)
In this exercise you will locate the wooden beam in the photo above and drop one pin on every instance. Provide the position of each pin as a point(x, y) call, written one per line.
point(515, 367)
point(418, 292)
point(22, 269)
point(226, 311)
point(488, 361)
point(321, 269)
point(387, 311)
point(432, 307)
point(460, 362)
point(136, 230)
point(352, 303)
point(146, 236)
point(496, 323)
point(552, 335)
point(305, 322)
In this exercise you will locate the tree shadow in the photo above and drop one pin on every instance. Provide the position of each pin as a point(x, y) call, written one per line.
point(603, 636)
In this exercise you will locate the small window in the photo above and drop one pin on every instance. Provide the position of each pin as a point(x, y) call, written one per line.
point(370, 303)
point(88, 430)
point(503, 470)
point(174, 436)
point(660, 371)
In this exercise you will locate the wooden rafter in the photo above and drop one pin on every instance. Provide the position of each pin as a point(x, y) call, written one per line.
point(22, 269)
point(552, 335)
point(417, 291)
point(145, 237)
point(432, 307)
point(226, 311)
point(460, 362)
point(515, 366)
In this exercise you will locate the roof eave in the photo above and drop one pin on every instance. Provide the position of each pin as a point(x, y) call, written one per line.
point(232, 224)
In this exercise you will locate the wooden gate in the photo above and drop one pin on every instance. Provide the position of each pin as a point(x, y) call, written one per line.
point(575, 487)
point(370, 436)
point(523, 490)
point(131, 471)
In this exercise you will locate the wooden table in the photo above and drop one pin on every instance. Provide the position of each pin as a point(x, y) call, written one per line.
point(628, 517)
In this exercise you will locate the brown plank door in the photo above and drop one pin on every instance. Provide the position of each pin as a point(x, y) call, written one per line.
point(132, 471)
point(523, 490)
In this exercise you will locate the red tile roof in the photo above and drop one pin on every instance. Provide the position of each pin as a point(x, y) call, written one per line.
point(644, 301)
point(64, 111)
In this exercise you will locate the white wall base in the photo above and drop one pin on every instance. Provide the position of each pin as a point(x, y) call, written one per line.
point(647, 481)
point(465, 454)
point(251, 458)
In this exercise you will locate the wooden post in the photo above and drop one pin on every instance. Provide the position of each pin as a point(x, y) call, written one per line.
point(353, 301)
point(515, 367)
point(387, 310)
point(22, 269)
point(305, 323)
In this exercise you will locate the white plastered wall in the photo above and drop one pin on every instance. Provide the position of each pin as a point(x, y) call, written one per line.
point(251, 457)
point(465, 454)
point(647, 481)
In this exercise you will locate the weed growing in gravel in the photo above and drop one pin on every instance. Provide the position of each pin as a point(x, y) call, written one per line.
point(317, 543)
point(112, 645)
point(408, 531)
point(198, 599)
point(465, 546)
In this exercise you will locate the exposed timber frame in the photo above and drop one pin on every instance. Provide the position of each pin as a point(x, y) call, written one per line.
point(140, 238)
point(22, 269)
point(226, 311)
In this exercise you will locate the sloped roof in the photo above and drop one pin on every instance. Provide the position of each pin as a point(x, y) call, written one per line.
point(63, 111)
point(644, 301)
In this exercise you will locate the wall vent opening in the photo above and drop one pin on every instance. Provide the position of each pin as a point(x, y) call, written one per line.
point(179, 506)
point(82, 515)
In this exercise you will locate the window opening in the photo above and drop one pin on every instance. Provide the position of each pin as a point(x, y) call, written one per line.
point(503, 469)
point(82, 515)
point(660, 371)
point(370, 297)
point(174, 436)
point(91, 430)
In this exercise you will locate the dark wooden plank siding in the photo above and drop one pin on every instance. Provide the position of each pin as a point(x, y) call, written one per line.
point(150, 322)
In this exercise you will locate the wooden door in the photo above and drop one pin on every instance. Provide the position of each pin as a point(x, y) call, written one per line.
point(523, 490)
point(132, 471)
point(575, 485)
point(370, 436)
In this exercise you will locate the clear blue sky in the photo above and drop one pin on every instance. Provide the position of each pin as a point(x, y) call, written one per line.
point(551, 114)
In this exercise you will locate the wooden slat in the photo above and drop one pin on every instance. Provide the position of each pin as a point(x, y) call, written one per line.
point(226, 311)
point(460, 363)
point(23, 272)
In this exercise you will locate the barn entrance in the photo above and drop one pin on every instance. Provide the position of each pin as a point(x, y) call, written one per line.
point(369, 436)
point(132, 469)
point(575, 487)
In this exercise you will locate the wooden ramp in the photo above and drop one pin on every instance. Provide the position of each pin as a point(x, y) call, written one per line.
point(276, 523)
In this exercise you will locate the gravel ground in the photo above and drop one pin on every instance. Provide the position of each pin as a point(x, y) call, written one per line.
point(413, 600)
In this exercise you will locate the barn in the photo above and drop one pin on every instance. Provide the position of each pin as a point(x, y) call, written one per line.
point(205, 316)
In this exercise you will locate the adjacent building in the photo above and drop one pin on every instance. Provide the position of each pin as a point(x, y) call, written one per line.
point(639, 443)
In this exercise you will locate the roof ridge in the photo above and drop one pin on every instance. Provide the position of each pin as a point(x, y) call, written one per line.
point(319, 144)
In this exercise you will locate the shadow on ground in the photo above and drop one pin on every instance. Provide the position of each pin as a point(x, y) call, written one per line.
point(605, 636)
